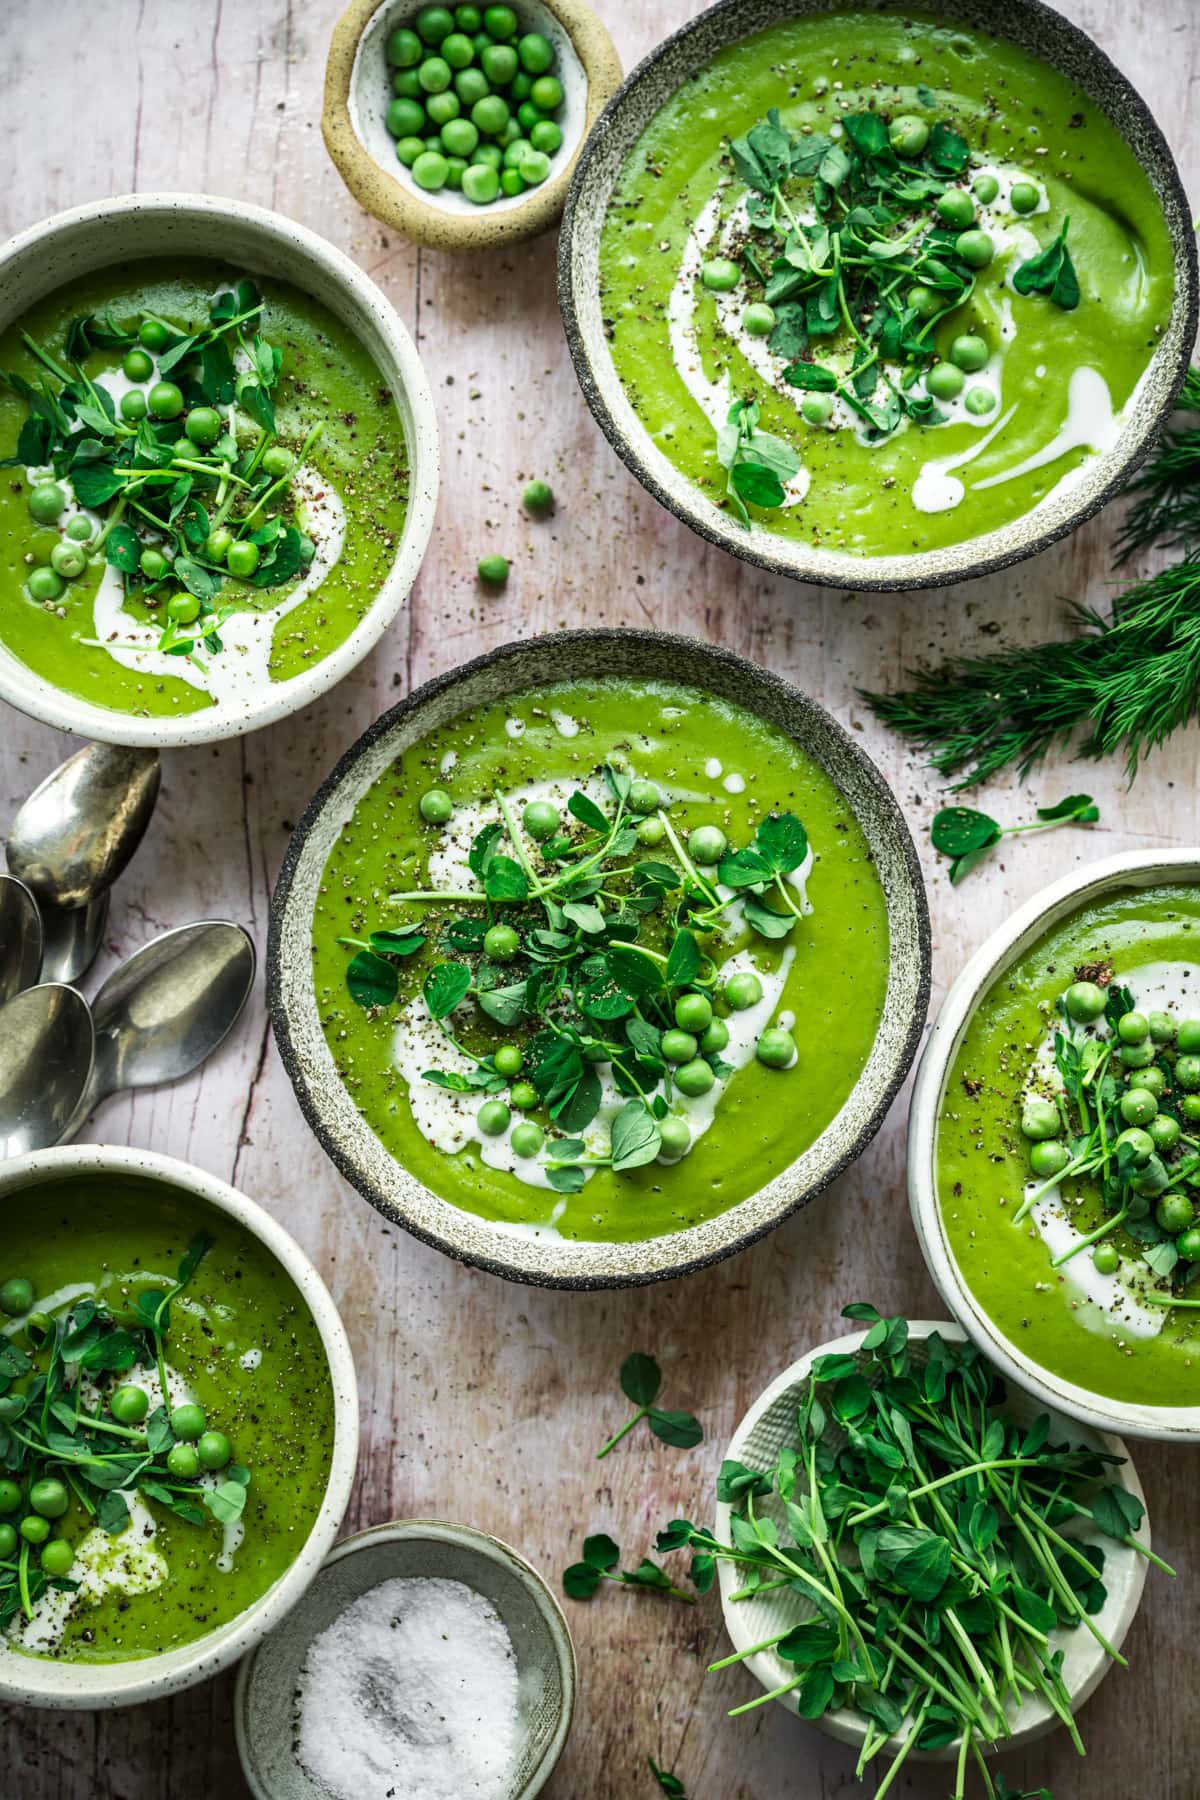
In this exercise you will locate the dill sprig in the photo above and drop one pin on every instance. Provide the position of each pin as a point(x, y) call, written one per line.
point(1126, 681)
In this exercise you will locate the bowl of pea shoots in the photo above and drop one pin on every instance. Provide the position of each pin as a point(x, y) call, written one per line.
point(460, 125)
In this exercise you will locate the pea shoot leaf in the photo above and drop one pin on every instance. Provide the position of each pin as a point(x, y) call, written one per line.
point(683, 959)
point(765, 920)
point(1080, 809)
point(446, 986)
point(504, 1004)
point(1051, 273)
point(636, 1139)
point(956, 830)
point(505, 879)
point(397, 943)
point(641, 1379)
point(681, 1430)
point(371, 980)
point(670, 1784)
point(782, 842)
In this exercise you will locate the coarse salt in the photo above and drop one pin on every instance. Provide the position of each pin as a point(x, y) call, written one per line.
point(412, 1690)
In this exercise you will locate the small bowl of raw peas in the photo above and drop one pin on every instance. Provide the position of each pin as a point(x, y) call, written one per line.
point(459, 125)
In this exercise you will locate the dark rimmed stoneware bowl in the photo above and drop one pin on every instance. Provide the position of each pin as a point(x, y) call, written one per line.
point(1037, 29)
point(514, 669)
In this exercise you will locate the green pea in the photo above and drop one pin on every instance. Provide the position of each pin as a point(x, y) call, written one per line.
point(16, 1298)
point(694, 1078)
point(406, 85)
point(541, 820)
point(536, 53)
point(1150, 1078)
point(1189, 1106)
point(133, 406)
point(188, 1420)
point(45, 585)
point(715, 1038)
point(546, 136)
point(203, 425)
point(80, 528)
point(499, 64)
point(524, 1096)
point(1137, 1056)
point(471, 85)
point(57, 1557)
point(1106, 1259)
point(1162, 1029)
point(519, 86)
point(443, 107)
point(1048, 1157)
point(776, 1048)
point(693, 1012)
point(491, 114)
point(679, 1046)
point(1039, 1118)
point(34, 1529)
point(1084, 1001)
point(430, 170)
point(1133, 1028)
point(277, 461)
point(458, 50)
point(975, 248)
point(926, 302)
point(986, 189)
point(675, 1136)
point(534, 168)
point(1188, 1037)
point(720, 275)
point(508, 1059)
point(651, 832)
point(434, 23)
point(153, 564)
point(969, 352)
point(743, 991)
point(644, 796)
point(435, 75)
point(154, 334)
point(1138, 1106)
point(456, 168)
point(956, 208)
point(242, 559)
point(1188, 1244)
point(514, 153)
point(183, 609)
point(908, 135)
point(183, 1460)
point(404, 49)
point(546, 93)
point(1174, 1213)
point(164, 400)
point(499, 22)
point(527, 1138)
point(10, 1496)
point(1141, 1144)
point(68, 560)
point(501, 943)
point(816, 409)
point(129, 1403)
point(944, 381)
point(979, 401)
point(46, 501)
point(538, 497)
point(214, 1449)
point(8, 1541)
point(468, 18)
point(1165, 1131)
point(492, 569)
point(408, 150)
point(1024, 197)
point(460, 137)
point(707, 844)
point(1187, 1073)
point(137, 366)
point(435, 806)
point(759, 319)
point(481, 185)
point(492, 1118)
point(489, 156)
point(49, 1497)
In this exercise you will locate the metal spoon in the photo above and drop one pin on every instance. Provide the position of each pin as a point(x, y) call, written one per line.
point(47, 1046)
point(167, 1009)
point(20, 938)
point(72, 939)
point(77, 831)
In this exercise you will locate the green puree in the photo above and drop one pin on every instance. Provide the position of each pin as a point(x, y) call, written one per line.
point(666, 733)
point(1017, 115)
point(983, 1161)
point(279, 1415)
point(326, 377)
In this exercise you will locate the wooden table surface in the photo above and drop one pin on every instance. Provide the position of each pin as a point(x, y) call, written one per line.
point(483, 1401)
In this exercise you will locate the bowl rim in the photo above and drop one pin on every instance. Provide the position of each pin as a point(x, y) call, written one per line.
point(387, 198)
point(843, 1724)
point(1019, 932)
point(106, 1685)
point(480, 1543)
point(510, 1268)
point(838, 569)
point(41, 699)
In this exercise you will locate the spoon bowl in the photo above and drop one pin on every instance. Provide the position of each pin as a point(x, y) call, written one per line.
point(47, 1049)
point(78, 829)
point(20, 938)
point(72, 938)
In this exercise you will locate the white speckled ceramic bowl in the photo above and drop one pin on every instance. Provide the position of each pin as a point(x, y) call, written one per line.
point(771, 1423)
point(244, 239)
point(357, 92)
point(1085, 887)
point(546, 1674)
point(40, 1681)
point(513, 669)
point(1037, 29)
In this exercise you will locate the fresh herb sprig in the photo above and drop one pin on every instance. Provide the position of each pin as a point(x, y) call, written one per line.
point(1121, 686)
point(641, 1380)
point(601, 1557)
point(932, 1536)
point(968, 836)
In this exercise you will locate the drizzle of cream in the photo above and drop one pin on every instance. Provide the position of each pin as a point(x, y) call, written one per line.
point(713, 768)
point(564, 724)
point(734, 784)
point(1090, 424)
point(937, 489)
point(126, 1564)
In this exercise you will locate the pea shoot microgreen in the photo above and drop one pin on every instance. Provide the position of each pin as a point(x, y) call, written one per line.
point(641, 1379)
point(935, 1539)
point(600, 1559)
point(668, 1783)
point(968, 836)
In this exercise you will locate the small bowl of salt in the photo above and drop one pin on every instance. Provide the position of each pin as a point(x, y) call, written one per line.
point(425, 1659)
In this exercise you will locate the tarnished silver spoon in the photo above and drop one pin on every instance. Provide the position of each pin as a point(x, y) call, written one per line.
point(76, 832)
point(166, 1009)
point(20, 938)
point(47, 1045)
point(72, 938)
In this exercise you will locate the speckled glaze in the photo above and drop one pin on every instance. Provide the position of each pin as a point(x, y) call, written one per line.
point(515, 668)
point(546, 1673)
point(356, 97)
point(38, 1681)
point(771, 1423)
point(1149, 868)
point(1041, 32)
point(61, 249)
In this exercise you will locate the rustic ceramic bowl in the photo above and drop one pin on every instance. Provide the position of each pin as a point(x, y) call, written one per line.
point(580, 656)
point(37, 1681)
point(546, 1675)
point(1037, 29)
point(771, 1423)
point(1086, 887)
point(357, 93)
point(241, 238)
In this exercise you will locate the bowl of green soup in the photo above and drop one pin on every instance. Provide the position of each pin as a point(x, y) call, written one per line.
point(221, 465)
point(1054, 1146)
point(178, 1426)
point(879, 298)
point(595, 958)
